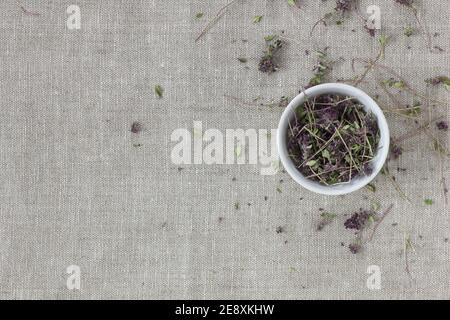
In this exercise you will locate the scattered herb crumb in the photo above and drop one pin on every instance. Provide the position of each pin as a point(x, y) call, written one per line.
point(280, 229)
point(428, 202)
point(354, 247)
point(237, 205)
point(243, 60)
point(136, 127)
point(395, 152)
point(284, 101)
point(199, 15)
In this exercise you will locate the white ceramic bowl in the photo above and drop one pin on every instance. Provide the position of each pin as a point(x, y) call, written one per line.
point(369, 105)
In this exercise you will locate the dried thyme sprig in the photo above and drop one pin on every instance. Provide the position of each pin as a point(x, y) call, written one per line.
point(332, 139)
point(268, 62)
point(440, 80)
point(321, 69)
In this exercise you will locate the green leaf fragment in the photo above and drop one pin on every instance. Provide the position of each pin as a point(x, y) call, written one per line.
point(371, 187)
point(291, 3)
point(383, 39)
point(238, 151)
point(311, 163)
point(409, 31)
point(257, 19)
point(447, 87)
point(159, 91)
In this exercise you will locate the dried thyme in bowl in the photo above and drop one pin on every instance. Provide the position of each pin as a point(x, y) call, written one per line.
point(332, 139)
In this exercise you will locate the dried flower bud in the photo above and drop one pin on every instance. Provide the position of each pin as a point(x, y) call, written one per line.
point(442, 125)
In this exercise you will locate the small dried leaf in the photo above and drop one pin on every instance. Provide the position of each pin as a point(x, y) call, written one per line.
point(383, 39)
point(447, 87)
point(375, 206)
point(159, 91)
point(371, 187)
point(409, 31)
point(238, 151)
point(257, 19)
point(311, 163)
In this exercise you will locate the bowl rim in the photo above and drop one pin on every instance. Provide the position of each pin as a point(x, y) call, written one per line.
point(369, 104)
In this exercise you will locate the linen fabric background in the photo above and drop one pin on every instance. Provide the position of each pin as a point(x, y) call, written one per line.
point(78, 188)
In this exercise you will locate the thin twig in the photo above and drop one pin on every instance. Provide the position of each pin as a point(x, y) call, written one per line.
point(416, 131)
point(29, 13)
point(385, 213)
point(214, 20)
point(427, 35)
point(250, 104)
point(407, 245)
point(407, 87)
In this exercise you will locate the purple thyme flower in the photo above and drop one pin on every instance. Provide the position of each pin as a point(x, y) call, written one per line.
point(442, 125)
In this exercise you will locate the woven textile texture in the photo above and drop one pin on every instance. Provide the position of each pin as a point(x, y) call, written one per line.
point(78, 188)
